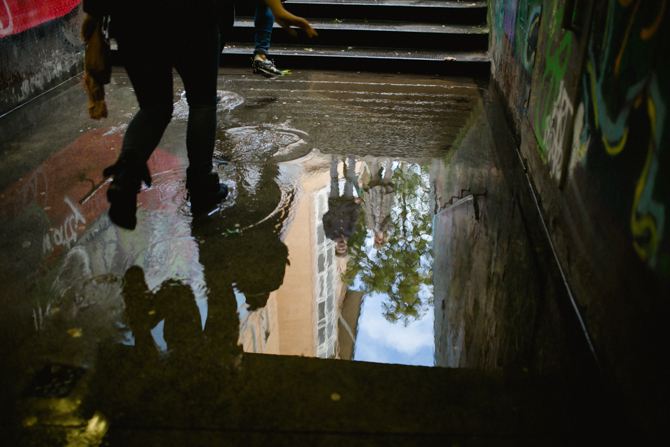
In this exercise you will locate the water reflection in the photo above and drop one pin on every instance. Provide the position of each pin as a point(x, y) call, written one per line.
point(313, 254)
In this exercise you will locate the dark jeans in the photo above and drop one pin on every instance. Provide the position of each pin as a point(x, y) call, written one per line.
point(148, 57)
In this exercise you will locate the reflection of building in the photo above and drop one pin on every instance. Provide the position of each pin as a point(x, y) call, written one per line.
point(258, 329)
point(312, 314)
point(327, 284)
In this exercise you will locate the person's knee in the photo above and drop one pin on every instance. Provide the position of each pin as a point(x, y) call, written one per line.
point(202, 107)
point(160, 115)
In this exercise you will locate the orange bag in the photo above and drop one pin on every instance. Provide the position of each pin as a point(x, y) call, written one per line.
point(98, 70)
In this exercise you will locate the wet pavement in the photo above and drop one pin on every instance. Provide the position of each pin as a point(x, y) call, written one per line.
point(151, 336)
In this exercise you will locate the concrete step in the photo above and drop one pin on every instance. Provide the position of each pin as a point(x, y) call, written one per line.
point(461, 12)
point(385, 34)
point(406, 60)
point(410, 36)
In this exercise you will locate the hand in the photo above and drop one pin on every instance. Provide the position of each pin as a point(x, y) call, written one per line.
point(287, 20)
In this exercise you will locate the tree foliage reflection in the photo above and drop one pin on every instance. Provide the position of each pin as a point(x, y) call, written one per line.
point(401, 268)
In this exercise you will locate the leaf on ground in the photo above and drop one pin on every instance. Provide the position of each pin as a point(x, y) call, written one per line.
point(75, 333)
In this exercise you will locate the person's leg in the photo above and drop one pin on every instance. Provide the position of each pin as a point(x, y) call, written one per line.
point(350, 176)
point(334, 179)
point(387, 172)
point(375, 172)
point(263, 22)
point(198, 66)
point(151, 76)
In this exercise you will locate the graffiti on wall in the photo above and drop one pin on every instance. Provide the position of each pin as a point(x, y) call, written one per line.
point(620, 137)
point(509, 20)
point(532, 35)
point(555, 87)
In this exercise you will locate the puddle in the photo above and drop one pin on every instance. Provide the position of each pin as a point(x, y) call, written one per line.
point(327, 246)
point(273, 249)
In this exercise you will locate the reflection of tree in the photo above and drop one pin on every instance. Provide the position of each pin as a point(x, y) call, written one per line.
point(401, 268)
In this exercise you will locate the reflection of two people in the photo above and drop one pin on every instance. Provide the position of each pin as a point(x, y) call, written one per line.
point(339, 222)
point(253, 261)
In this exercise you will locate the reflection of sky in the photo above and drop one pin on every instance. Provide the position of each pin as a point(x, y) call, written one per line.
point(381, 341)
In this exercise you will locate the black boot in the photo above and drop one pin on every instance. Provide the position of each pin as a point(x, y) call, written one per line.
point(122, 193)
point(205, 192)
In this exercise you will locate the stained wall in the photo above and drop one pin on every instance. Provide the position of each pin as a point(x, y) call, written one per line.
point(40, 47)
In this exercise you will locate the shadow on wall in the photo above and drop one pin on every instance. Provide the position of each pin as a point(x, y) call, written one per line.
point(40, 47)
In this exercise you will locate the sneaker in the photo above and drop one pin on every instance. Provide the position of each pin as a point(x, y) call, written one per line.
point(265, 67)
point(122, 193)
point(206, 192)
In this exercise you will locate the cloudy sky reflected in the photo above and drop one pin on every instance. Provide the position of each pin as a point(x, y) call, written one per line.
point(381, 341)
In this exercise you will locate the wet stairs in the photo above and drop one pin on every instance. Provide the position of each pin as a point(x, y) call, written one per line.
point(408, 36)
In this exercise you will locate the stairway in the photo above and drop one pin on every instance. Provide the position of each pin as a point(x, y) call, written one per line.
point(445, 37)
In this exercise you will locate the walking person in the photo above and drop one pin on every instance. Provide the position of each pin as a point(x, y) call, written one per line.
point(339, 222)
point(140, 29)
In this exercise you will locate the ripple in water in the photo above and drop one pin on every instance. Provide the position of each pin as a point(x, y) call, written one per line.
point(260, 143)
point(227, 102)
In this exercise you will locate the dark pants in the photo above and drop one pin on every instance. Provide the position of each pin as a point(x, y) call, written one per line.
point(149, 53)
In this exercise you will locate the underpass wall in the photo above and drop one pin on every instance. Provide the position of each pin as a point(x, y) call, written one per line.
point(586, 92)
point(40, 47)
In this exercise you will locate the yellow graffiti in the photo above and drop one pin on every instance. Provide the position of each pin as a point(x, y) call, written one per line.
point(615, 149)
point(645, 224)
point(646, 33)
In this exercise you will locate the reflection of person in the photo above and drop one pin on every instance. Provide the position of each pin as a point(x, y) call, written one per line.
point(253, 259)
point(174, 304)
point(139, 28)
point(378, 196)
point(339, 222)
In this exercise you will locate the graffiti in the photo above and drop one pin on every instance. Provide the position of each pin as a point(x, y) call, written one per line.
point(625, 112)
point(496, 10)
point(16, 16)
point(533, 35)
point(556, 67)
point(581, 138)
point(509, 21)
point(558, 126)
point(67, 232)
point(6, 22)
point(648, 216)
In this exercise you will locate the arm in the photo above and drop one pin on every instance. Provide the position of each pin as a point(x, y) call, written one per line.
point(286, 20)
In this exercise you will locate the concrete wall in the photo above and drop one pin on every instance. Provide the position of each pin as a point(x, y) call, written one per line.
point(40, 47)
point(585, 86)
